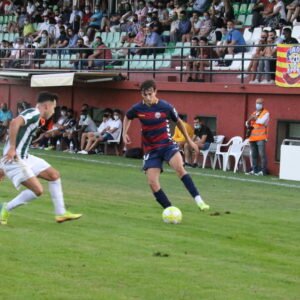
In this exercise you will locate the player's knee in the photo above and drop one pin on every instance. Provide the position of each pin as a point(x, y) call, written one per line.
point(38, 191)
point(54, 175)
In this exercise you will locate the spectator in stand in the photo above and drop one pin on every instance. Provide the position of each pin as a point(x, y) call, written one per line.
point(153, 40)
point(174, 25)
point(114, 23)
point(206, 25)
point(125, 12)
point(177, 8)
point(41, 42)
point(184, 27)
point(30, 9)
point(131, 27)
point(217, 12)
point(195, 26)
point(81, 55)
point(86, 16)
point(17, 26)
point(293, 10)
point(259, 52)
point(288, 39)
point(5, 52)
point(202, 6)
point(81, 34)
point(194, 52)
point(63, 40)
point(76, 24)
point(233, 38)
point(69, 127)
point(96, 19)
point(50, 28)
point(260, 9)
point(267, 62)
point(16, 57)
point(203, 54)
point(28, 29)
point(65, 15)
point(101, 57)
point(272, 19)
point(142, 11)
point(73, 37)
point(75, 12)
point(203, 137)
point(5, 118)
point(8, 7)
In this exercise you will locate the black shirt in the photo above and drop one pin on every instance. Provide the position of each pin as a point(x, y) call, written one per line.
point(204, 130)
point(290, 40)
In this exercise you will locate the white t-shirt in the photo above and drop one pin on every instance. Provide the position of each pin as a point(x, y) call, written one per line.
point(116, 124)
point(104, 125)
point(87, 121)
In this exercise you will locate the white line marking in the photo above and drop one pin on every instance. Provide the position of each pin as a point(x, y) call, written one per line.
point(193, 173)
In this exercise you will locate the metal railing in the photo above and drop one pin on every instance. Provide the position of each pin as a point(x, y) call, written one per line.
point(169, 60)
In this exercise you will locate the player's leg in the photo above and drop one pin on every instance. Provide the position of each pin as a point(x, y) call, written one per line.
point(177, 164)
point(83, 139)
point(153, 181)
point(56, 192)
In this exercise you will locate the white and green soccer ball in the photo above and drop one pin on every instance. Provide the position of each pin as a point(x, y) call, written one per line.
point(172, 215)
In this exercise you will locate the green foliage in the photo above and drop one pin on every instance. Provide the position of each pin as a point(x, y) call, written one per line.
point(246, 247)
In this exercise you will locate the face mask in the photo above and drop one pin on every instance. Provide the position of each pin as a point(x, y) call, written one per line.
point(148, 19)
point(197, 126)
point(258, 106)
point(282, 37)
point(44, 35)
point(63, 113)
point(229, 29)
point(87, 11)
point(80, 33)
point(116, 117)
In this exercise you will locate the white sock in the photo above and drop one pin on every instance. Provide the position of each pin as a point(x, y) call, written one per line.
point(198, 199)
point(22, 198)
point(56, 193)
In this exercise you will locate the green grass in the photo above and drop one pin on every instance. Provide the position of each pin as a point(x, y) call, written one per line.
point(121, 249)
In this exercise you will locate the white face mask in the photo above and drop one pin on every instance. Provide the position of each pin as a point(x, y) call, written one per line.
point(116, 117)
point(259, 106)
point(197, 126)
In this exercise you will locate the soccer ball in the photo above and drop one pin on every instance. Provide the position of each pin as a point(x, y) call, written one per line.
point(172, 215)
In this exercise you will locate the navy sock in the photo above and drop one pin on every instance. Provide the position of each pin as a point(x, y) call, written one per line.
point(189, 184)
point(162, 198)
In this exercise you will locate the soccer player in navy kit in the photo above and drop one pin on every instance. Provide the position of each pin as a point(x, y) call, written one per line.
point(154, 115)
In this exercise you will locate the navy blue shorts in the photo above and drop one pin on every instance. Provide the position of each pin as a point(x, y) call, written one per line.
point(107, 137)
point(155, 158)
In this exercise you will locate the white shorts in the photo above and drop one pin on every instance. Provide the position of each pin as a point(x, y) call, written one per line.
point(22, 169)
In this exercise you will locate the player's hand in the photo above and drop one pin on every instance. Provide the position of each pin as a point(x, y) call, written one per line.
point(126, 139)
point(10, 156)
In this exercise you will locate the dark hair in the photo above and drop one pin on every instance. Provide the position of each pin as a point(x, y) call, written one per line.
point(106, 115)
point(46, 96)
point(117, 111)
point(195, 39)
point(197, 118)
point(148, 84)
point(204, 39)
point(287, 30)
point(63, 108)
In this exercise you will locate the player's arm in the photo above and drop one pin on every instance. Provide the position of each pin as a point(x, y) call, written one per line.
point(14, 128)
point(182, 128)
point(126, 125)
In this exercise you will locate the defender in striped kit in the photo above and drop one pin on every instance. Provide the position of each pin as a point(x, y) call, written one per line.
point(24, 169)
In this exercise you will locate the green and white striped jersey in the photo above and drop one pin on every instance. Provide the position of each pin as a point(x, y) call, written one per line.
point(31, 117)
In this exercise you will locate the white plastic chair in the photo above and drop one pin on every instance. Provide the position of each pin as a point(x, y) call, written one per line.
point(233, 145)
point(211, 151)
point(114, 142)
point(246, 155)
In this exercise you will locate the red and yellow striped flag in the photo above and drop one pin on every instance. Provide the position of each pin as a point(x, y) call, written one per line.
point(288, 65)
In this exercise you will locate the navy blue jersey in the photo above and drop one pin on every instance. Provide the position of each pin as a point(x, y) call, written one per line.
point(155, 123)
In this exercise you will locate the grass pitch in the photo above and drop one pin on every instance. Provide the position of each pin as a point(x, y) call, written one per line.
point(245, 247)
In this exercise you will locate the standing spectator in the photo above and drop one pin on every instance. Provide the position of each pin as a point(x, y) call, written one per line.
point(203, 137)
point(258, 123)
point(5, 118)
point(101, 57)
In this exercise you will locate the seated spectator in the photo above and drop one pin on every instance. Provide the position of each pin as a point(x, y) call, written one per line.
point(278, 13)
point(206, 25)
point(17, 26)
point(259, 52)
point(233, 38)
point(50, 28)
point(75, 13)
point(153, 40)
point(86, 17)
point(288, 39)
point(125, 11)
point(194, 52)
point(5, 118)
point(63, 40)
point(174, 25)
point(203, 54)
point(101, 57)
point(265, 63)
point(142, 11)
point(41, 42)
point(95, 21)
point(184, 27)
point(132, 28)
point(88, 138)
point(69, 127)
point(203, 137)
point(201, 6)
point(111, 132)
point(82, 55)
point(5, 52)
point(28, 29)
point(293, 10)
point(73, 37)
point(76, 24)
point(178, 136)
point(217, 12)
point(30, 9)
point(16, 57)
point(259, 11)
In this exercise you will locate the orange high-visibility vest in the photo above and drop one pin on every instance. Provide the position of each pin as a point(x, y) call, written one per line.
point(259, 131)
